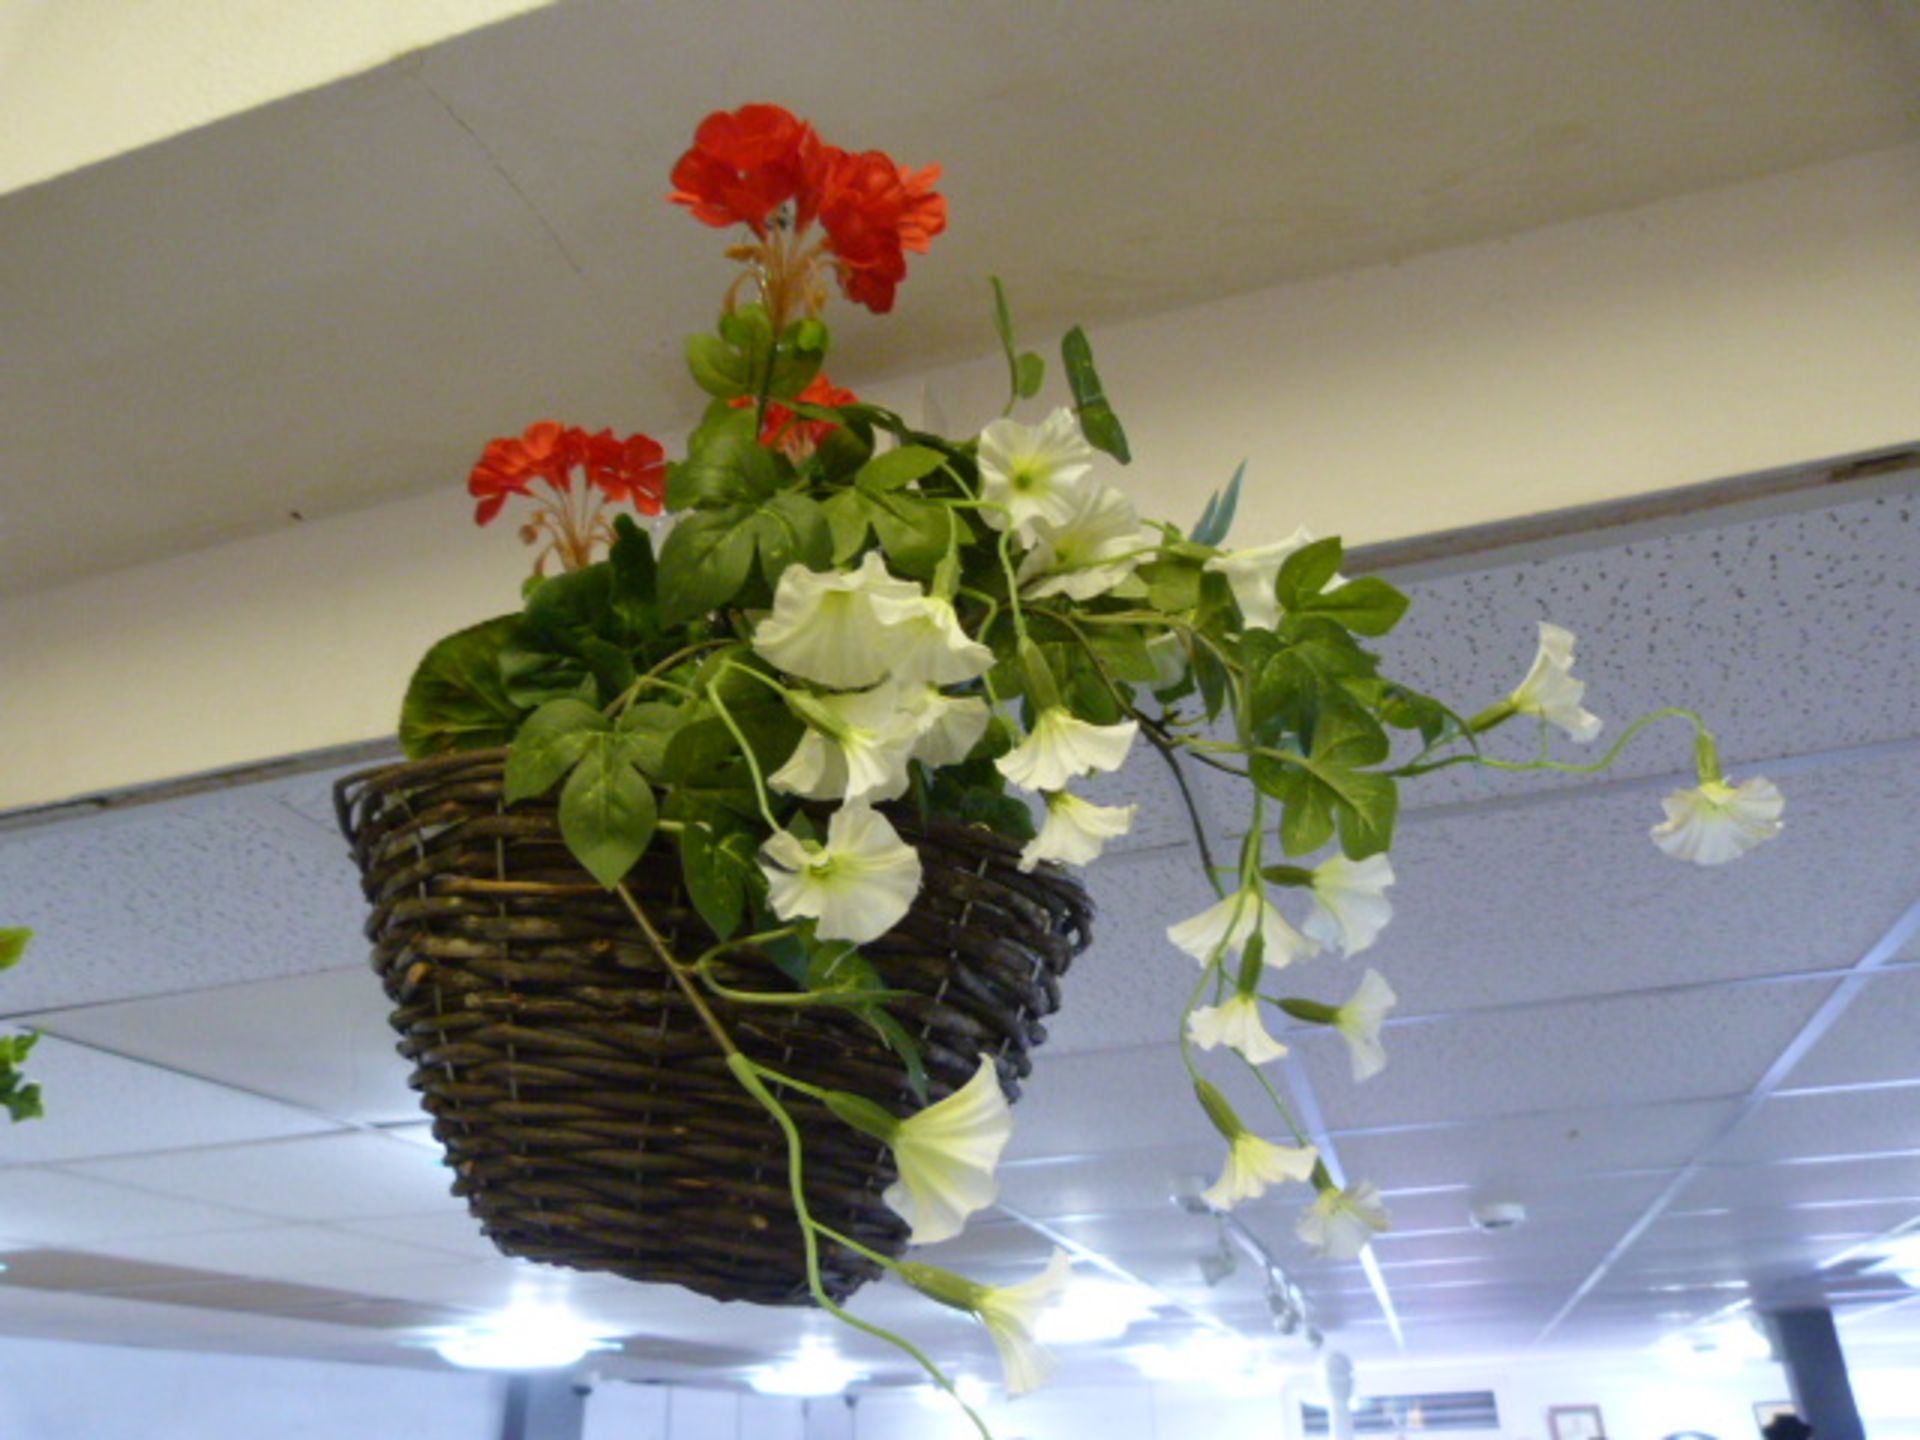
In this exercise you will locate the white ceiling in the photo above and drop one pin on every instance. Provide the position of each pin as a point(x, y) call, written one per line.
point(322, 303)
point(1703, 1084)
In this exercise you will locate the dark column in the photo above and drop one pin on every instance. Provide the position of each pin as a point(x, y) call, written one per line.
point(551, 1405)
point(1816, 1371)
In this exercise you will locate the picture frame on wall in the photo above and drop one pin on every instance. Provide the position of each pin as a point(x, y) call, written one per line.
point(1575, 1422)
point(1765, 1412)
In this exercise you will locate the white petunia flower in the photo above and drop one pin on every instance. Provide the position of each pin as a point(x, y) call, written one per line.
point(948, 726)
point(1551, 692)
point(1076, 830)
point(1252, 1165)
point(1235, 1023)
point(1035, 471)
point(933, 646)
point(1254, 574)
point(1062, 746)
point(1716, 822)
point(1227, 925)
point(946, 1154)
point(1011, 1313)
point(1359, 1021)
point(1350, 907)
point(1094, 549)
point(1341, 1223)
point(855, 887)
point(1169, 656)
point(827, 626)
point(856, 746)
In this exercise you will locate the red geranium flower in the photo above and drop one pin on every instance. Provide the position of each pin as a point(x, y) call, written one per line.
point(792, 434)
point(631, 470)
point(511, 464)
point(744, 165)
point(874, 210)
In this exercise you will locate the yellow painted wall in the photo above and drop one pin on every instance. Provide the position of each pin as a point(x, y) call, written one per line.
point(1736, 330)
point(83, 80)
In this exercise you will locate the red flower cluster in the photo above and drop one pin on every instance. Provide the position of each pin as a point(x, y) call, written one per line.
point(746, 165)
point(793, 434)
point(633, 469)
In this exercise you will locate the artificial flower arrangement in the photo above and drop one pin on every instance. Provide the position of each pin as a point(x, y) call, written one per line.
point(853, 622)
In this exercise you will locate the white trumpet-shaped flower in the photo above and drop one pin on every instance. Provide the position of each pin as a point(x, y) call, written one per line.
point(1076, 830)
point(1341, 1223)
point(829, 626)
point(946, 1154)
point(1550, 691)
point(1094, 549)
point(855, 887)
point(1035, 471)
point(1359, 1022)
point(1011, 1313)
point(1253, 575)
point(1235, 1023)
point(947, 726)
point(856, 745)
point(1253, 1164)
point(1350, 907)
point(929, 641)
point(1062, 746)
point(1716, 822)
point(1226, 926)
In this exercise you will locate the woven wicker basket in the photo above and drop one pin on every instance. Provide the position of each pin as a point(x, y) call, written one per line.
point(588, 1117)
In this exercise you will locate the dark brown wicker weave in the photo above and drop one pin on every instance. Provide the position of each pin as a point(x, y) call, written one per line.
point(587, 1114)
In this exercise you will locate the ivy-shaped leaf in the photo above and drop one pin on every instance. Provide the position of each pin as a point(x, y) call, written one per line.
point(549, 745)
point(607, 810)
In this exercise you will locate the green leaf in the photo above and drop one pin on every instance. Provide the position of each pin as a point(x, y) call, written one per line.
point(791, 529)
point(607, 811)
point(1173, 583)
point(900, 466)
point(718, 368)
point(549, 745)
point(1367, 606)
point(847, 518)
point(1307, 570)
point(1097, 420)
point(1217, 518)
point(1029, 374)
point(726, 465)
point(457, 699)
point(647, 729)
point(23, 1102)
point(915, 532)
point(717, 861)
point(900, 1040)
point(705, 561)
point(797, 358)
point(13, 944)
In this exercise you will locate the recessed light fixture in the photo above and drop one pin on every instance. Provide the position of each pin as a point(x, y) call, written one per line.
point(525, 1337)
point(816, 1370)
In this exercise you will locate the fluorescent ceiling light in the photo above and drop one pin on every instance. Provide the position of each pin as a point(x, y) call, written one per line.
point(526, 1337)
point(1213, 1358)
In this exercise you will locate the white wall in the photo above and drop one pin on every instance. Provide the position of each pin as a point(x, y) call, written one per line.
point(1638, 1399)
point(1718, 334)
point(52, 1390)
point(620, 1411)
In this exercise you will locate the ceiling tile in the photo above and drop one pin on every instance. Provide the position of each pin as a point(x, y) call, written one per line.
point(101, 1104)
point(45, 1207)
point(1876, 1039)
point(304, 1254)
point(1891, 1177)
point(214, 889)
point(1530, 1153)
point(1592, 1054)
point(344, 1066)
point(1838, 1122)
point(337, 1177)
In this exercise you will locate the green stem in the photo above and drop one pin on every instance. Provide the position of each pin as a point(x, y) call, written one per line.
point(1562, 767)
point(746, 750)
point(748, 1074)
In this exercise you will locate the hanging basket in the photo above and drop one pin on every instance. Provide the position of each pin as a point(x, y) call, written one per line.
point(587, 1114)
